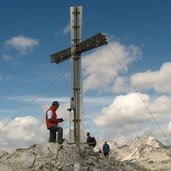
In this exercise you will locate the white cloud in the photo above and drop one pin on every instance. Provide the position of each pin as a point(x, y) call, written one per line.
point(127, 117)
point(22, 132)
point(101, 68)
point(25, 131)
point(22, 43)
point(128, 109)
point(161, 107)
point(122, 85)
point(97, 101)
point(159, 80)
point(67, 29)
point(125, 109)
point(124, 119)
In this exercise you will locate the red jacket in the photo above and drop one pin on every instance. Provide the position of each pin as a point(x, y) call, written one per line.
point(49, 124)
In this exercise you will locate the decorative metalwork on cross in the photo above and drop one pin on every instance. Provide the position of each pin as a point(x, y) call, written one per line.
point(76, 131)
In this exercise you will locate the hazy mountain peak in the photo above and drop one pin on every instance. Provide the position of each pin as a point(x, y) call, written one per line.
point(146, 151)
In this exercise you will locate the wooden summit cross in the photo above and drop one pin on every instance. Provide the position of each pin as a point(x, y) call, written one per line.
point(76, 131)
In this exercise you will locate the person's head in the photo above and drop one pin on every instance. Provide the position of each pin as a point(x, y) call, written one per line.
point(88, 134)
point(105, 142)
point(55, 104)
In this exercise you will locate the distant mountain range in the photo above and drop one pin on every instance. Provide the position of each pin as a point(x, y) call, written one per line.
point(144, 151)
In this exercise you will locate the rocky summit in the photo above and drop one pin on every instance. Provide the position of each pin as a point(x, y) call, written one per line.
point(55, 157)
point(142, 154)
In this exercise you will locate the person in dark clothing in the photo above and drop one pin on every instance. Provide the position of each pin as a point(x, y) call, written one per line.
point(106, 149)
point(91, 141)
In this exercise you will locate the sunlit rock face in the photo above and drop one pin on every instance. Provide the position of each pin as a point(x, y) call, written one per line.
point(141, 153)
point(147, 152)
point(54, 157)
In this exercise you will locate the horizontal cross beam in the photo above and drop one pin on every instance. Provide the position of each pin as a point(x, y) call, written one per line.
point(88, 44)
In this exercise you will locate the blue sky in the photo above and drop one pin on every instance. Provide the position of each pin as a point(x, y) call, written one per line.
point(139, 35)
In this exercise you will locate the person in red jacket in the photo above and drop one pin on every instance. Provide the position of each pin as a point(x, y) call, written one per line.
point(52, 123)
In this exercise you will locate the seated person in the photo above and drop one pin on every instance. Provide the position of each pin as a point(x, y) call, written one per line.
point(91, 141)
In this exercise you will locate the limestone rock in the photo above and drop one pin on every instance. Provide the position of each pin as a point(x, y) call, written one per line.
point(147, 152)
point(55, 157)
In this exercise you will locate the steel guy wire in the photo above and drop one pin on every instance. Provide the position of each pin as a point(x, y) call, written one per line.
point(67, 84)
point(28, 104)
point(145, 104)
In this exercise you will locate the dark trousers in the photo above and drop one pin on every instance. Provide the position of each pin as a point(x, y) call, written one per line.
point(52, 136)
point(106, 154)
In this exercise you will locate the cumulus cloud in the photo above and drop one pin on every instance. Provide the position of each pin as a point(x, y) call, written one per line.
point(128, 117)
point(22, 132)
point(130, 108)
point(28, 130)
point(122, 120)
point(125, 109)
point(25, 131)
point(159, 80)
point(122, 85)
point(161, 106)
point(100, 68)
point(22, 43)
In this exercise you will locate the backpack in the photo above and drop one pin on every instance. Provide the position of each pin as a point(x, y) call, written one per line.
point(92, 140)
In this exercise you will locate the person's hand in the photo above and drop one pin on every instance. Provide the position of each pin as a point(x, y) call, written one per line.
point(60, 120)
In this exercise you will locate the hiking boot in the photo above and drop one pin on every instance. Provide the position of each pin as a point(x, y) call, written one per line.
point(61, 141)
